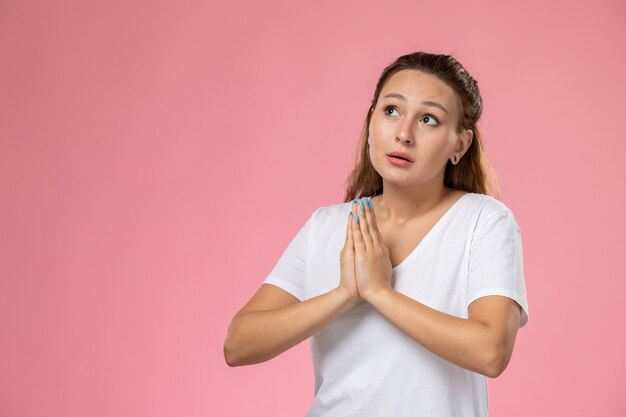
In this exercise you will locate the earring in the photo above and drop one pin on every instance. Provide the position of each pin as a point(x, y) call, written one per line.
point(454, 159)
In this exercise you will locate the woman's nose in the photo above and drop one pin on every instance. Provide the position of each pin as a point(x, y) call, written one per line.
point(404, 133)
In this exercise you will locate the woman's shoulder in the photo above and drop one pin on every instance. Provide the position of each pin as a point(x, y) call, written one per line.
point(327, 221)
point(486, 205)
point(331, 212)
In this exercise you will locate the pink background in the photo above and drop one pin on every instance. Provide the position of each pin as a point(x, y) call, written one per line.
point(156, 158)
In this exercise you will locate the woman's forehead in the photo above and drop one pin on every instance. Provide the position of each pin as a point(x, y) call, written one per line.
point(417, 85)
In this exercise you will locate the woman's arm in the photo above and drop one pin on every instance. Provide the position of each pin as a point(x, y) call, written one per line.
point(274, 321)
point(482, 343)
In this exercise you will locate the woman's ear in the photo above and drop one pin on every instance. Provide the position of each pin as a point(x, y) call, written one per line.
point(464, 141)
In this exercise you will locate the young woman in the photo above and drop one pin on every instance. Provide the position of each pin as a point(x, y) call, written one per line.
point(413, 296)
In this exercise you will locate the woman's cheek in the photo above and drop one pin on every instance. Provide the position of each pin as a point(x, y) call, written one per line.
point(373, 160)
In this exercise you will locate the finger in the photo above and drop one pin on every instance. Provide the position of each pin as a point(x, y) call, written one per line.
point(363, 225)
point(357, 236)
point(377, 238)
point(349, 239)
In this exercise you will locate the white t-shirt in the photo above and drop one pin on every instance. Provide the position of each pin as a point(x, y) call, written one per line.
point(363, 364)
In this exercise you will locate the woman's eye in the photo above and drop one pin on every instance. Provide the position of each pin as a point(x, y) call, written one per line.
point(389, 111)
point(430, 120)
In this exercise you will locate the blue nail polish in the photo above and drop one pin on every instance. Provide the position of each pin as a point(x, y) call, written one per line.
point(369, 202)
point(356, 217)
point(361, 204)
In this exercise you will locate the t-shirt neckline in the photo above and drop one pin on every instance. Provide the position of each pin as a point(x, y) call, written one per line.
point(431, 232)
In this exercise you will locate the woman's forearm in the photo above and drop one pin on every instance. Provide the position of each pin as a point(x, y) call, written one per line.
point(258, 336)
point(467, 343)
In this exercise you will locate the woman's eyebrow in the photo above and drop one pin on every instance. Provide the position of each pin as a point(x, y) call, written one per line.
point(427, 102)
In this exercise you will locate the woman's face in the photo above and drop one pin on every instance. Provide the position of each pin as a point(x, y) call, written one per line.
point(416, 114)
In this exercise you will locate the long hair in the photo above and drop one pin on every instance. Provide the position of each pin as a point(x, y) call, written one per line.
point(473, 172)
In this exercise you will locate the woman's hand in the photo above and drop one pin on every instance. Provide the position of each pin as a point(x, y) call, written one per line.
point(372, 263)
point(347, 257)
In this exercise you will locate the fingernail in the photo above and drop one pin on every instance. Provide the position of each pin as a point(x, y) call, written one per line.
point(361, 204)
point(369, 202)
point(356, 217)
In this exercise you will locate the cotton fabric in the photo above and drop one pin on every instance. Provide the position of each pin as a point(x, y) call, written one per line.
point(363, 364)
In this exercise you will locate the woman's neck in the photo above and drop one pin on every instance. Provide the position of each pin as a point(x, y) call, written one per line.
point(401, 204)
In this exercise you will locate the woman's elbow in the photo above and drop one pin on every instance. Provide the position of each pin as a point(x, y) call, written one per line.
point(240, 357)
point(238, 350)
point(230, 357)
point(496, 362)
point(230, 349)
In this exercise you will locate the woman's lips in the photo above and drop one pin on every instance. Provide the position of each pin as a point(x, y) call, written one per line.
point(399, 162)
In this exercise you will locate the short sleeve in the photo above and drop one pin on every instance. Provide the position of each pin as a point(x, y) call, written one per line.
point(496, 264)
point(289, 271)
